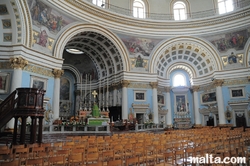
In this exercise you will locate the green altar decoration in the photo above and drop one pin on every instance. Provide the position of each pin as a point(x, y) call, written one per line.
point(98, 121)
point(95, 111)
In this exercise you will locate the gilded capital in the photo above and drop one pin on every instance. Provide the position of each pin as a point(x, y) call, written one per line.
point(57, 73)
point(125, 83)
point(195, 88)
point(18, 63)
point(167, 89)
point(154, 84)
point(218, 82)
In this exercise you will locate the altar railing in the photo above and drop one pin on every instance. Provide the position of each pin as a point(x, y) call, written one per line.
point(76, 129)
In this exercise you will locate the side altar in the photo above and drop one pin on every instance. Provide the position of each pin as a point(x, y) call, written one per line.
point(182, 123)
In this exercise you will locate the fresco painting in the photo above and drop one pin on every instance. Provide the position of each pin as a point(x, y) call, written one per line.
point(233, 40)
point(139, 45)
point(43, 15)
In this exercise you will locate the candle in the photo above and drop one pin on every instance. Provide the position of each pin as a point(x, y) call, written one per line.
point(99, 95)
point(86, 88)
point(81, 86)
point(107, 95)
point(90, 89)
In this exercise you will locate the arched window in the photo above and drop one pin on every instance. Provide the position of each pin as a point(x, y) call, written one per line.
point(179, 80)
point(179, 9)
point(225, 6)
point(100, 3)
point(139, 9)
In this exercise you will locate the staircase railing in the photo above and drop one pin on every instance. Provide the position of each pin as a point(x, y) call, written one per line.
point(7, 108)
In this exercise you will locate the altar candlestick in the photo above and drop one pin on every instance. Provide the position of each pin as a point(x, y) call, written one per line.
point(107, 95)
point(85, 89)
point(90, 93)
point(103, 97)
point(99, 94)
point(81, 86)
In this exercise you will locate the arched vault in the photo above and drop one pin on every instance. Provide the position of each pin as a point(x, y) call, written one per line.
point(198, 58)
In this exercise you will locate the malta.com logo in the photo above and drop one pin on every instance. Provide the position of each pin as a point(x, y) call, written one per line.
point(209, 159)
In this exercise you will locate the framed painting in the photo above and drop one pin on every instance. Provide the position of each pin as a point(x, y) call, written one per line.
point(208, 98)
point(38, 82)
point(139, 95)
point(160, 99)
point(180, 101)
point(64, 89)
point(4, 82)
point(237, 92)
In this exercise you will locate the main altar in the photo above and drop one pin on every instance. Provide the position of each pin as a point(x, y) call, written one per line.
point(94, 116)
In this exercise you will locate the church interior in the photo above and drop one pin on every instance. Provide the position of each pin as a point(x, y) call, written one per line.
point(108, 82)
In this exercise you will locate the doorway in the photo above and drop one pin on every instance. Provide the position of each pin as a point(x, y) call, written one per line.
point(210, 121)
point(140, 118)
point(240, 120)
point(115, 113)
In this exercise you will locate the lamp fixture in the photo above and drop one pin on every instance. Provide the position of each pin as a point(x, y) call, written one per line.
point(74, 51)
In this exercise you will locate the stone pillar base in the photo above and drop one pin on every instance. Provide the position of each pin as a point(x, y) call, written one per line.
point(197, 125)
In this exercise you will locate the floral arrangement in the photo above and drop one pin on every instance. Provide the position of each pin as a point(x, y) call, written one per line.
point(148, 122)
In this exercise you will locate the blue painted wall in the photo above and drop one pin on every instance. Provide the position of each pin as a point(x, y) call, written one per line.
point(148, 100)
point(26, 81)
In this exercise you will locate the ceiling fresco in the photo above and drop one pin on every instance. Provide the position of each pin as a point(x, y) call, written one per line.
point(233, 40)
point(136, 45)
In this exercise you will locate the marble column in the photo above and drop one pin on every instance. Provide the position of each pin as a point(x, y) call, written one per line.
point(168, 106)
point(18, 64)
point(56, 97)
point(196, 106)
point(114, 95)
point(220, 102)
point(125, 84)
point(154, 86)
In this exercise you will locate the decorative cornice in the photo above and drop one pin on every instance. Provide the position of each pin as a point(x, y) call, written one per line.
point(209, 109)
point(58, 73)
point(139, 85)
point(125, 83)
point(218, 82)
point(18, 63)
point(5, 65)
point(195, 88)
point(38, 70)
point(236, 82)
point(154, 85)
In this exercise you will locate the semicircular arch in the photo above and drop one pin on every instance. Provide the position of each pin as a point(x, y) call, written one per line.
point(67, 35)
point(201, 57)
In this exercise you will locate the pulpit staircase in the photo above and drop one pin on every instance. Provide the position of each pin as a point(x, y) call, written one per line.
point(7, 110)
point(22, 103)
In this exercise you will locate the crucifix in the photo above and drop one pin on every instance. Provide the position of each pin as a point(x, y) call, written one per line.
point(94, 93)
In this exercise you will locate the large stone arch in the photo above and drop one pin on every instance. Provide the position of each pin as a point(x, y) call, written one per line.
point(194, 53)
point(76, 29)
